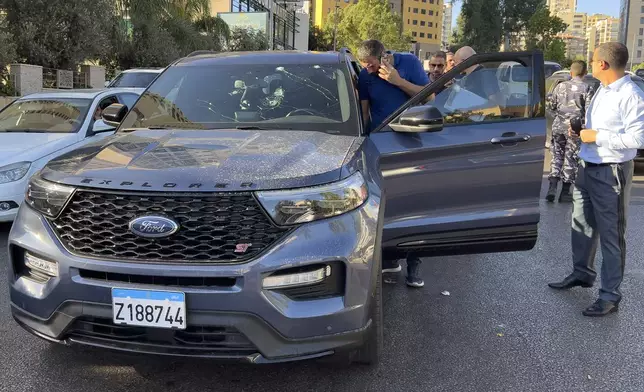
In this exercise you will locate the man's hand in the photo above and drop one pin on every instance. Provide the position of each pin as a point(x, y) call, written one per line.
point(389, 73)
point(588, 135)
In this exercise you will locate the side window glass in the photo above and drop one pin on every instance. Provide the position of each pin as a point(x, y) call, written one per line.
point(484, 94)
point(128, 99)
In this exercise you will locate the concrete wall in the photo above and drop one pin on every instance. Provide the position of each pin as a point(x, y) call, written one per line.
point(4, 101)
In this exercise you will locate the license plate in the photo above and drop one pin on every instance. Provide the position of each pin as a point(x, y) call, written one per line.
point(160, 309)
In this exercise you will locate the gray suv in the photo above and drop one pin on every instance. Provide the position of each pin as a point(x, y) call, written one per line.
point(241, 211)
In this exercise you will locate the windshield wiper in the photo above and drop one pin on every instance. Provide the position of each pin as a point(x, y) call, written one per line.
point(152, 128)
point(26, 130)
point(256, 128)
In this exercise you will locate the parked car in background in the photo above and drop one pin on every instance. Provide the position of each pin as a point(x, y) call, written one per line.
point(39, 127)
point(550, 67)
point(135, 77)
point(557, 78)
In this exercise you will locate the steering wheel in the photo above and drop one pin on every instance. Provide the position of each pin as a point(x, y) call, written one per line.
point(309, 111)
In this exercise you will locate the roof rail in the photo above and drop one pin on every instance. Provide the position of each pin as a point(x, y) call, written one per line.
point(199, 52)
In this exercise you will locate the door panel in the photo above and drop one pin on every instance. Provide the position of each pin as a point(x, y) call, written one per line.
point(472, 187)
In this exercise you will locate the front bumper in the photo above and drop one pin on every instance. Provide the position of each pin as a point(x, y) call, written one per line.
point(75, 309)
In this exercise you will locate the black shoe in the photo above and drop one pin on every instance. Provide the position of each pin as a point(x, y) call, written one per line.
point(601, 308)
point(391, 266)
point(566, 195)
point(552, 190)
point(569, 283)
point(413, 272)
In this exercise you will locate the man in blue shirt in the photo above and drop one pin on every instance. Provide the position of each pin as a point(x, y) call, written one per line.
point(614, 132)
point(386, 83)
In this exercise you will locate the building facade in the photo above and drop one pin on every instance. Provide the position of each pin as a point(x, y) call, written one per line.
point(601, 29)
point(558, 6)
point(423, 19)
point(280, 20)
point(446, 31)
point(631, 31)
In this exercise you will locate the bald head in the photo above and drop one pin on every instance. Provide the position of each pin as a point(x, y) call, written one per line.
point(463, 54)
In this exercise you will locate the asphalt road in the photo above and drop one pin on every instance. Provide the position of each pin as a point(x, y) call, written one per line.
point(500, 329)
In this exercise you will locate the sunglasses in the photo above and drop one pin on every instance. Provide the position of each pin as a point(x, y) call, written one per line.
point(437, 65)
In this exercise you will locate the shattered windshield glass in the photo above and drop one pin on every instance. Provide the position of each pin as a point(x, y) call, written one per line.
point(264, 96)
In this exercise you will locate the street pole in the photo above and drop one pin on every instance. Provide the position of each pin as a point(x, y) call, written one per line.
point(335, 26)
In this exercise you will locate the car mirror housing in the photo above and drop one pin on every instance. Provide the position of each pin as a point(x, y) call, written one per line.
point(101, 126)
point(114, 114)
point(416, 119)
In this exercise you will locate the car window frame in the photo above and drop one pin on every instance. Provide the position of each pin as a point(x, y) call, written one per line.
point(536, 108)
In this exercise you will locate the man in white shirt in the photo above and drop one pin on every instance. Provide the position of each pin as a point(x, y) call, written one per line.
point(615, 131)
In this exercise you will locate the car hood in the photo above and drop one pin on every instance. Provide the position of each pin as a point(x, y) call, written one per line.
point(18, 147)
point(205, 161)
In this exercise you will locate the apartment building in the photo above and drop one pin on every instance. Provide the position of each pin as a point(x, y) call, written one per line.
point(603, 29)
point(423, 19)
point(558, 6)
point(631, 31)
point(446, 31)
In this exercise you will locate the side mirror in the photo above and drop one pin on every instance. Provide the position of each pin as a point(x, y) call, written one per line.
point(419, 119)
point(114, 114)
point(100, 126)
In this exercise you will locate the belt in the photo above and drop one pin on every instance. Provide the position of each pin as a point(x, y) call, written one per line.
point(592, 164)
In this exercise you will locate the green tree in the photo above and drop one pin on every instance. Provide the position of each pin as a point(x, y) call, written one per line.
point(242, 39)
point(542, 31)
point(59, 33)
point(368, 19)
point(480, 25)
point(319, 39)
point(516, 15)
point(7, 56)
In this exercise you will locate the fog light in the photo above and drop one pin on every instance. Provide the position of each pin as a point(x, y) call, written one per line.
point(296, 279)
point(7, 205)
point(49, 268)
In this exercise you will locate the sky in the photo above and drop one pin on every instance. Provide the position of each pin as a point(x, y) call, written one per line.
point(608, 7)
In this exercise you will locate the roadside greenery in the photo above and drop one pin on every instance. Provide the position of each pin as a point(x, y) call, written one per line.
point(367, 19)
point(118, 34)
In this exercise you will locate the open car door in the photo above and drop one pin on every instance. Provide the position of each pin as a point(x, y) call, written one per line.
point(463, 161)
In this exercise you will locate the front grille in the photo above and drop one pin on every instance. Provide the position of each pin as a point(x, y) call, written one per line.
point(178, 281)
point(212, 226)
point(194, 340)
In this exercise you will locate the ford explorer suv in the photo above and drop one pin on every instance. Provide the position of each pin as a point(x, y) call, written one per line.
point(242, 210)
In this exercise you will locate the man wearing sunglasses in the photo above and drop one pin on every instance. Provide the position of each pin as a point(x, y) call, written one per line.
point(437, 64)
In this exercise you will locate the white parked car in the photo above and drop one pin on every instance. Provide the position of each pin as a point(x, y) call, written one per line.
point(39, 127)
point(135, 77)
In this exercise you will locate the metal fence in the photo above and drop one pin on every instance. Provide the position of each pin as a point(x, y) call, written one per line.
point(63, 79)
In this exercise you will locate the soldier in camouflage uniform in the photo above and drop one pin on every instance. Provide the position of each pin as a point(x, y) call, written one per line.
point(569, 100)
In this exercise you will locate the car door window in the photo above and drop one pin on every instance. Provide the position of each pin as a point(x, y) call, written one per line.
point(484, 95)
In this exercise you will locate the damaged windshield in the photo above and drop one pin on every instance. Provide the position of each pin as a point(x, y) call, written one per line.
point(243, 96)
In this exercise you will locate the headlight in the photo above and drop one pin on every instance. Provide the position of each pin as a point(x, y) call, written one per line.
point(309, 204)
point(47, 197)
point(14, 172)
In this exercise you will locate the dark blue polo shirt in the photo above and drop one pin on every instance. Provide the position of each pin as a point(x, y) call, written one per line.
point(384, 98)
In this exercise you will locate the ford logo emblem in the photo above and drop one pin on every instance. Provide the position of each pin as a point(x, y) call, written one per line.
point(153, 226)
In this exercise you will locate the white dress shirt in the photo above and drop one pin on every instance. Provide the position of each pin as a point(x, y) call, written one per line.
point(617, 114)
